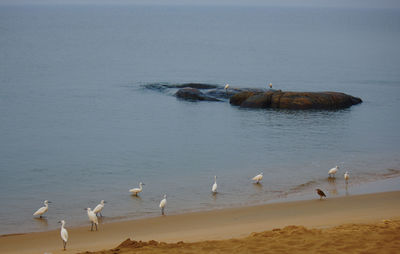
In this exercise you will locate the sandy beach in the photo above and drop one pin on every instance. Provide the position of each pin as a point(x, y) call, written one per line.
point(380, 237)
point(370, 210)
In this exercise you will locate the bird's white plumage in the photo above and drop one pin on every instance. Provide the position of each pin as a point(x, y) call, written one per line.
point(258, 177)
point(270, 85)
point(92, 216)
point(99, 207)
point(163, 202)
point(43, 209)
point(226, 86)
point(346, 176)
point(135, 191)
point(333, 171)
point(64, 232)
point(214, 187)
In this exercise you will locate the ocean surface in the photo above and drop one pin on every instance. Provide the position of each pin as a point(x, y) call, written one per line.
point(78, 125)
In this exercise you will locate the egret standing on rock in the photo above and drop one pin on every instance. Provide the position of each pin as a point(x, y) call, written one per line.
point(92, 217)
point(99, 208)
point(64, 233)
point(43, 209)
point(346, 176)
point(333, 171)
point(226, 88)
point(320, 193)
point(258, 178)
point(135, 191)
point(270, 85)
point(163, 203)
point(214, 187)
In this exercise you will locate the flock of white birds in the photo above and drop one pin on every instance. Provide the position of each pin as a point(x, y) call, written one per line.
point(92, 214)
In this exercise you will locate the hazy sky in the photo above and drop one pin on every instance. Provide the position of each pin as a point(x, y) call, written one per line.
point(317, 3)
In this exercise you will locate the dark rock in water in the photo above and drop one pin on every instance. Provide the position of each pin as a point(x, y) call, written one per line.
point(193, 94)
point(239, 98)
point(156, 86)
point(221, 93)
point(259, 100)
point(294, 100)
point(164, 86)
point(193, 85)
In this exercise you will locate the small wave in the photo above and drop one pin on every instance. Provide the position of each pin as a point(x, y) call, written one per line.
point(386, 174)
point(303, 186)
point(391, 173)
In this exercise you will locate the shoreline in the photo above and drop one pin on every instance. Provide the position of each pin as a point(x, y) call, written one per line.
point(384, 183)
point(213, 225)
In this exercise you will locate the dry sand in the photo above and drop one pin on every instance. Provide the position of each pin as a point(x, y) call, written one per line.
point(382, 237)
point(240, 222)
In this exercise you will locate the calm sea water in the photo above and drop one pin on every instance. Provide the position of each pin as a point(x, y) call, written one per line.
point(77, 126)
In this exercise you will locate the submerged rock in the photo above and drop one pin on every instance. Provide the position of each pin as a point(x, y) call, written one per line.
point(193, 94)
point(162, 86)
point(294, 100)
point(193, 85)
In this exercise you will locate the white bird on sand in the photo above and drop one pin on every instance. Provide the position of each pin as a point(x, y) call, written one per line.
point(214, 187)
point(43, 209)
point(64, 233)
point(226, 87)
point(92, 217)
point(99, 208)
point(333, 171)
point(163, 203)
point(270, 85)
point(135, 191)
point(346, 176)
point(258, 178)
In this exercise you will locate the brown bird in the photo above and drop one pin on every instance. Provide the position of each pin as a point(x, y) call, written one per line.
point(320, 193)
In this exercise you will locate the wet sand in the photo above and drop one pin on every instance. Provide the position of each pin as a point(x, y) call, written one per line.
point(229, 223)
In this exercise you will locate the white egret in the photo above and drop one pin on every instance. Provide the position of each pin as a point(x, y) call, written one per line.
point(92, 217)
point(270, 85)
point(64, 233)
point(346, 176)
point(226, 88)
point(99, 208)
point(135, 191)
point(214, 187)
point(43, 209)
point(258, 178)
point(333, 171)
point(320, 193)
point(163, 203)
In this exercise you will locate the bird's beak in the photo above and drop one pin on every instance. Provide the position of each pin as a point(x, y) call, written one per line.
point(49, 202)
point(59, 221)
point(85, 209)
point(143, 184)
point(105, 202)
